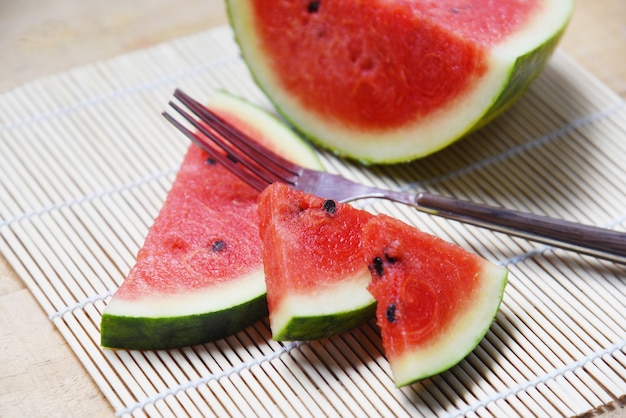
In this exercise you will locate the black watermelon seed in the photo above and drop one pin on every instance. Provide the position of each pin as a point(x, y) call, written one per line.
point(210, 161)
point(330, 206)
point(391, 313)
point(390, 258)
point(218, 246)
point(313, 7)
point(376, 266)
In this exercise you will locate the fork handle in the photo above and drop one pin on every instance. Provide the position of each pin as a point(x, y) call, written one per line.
point(596, 241)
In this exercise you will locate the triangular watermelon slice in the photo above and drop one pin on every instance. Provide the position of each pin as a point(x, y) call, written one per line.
point(388, 81)
point(314, 270)
point(199, 275)
point(435, 300)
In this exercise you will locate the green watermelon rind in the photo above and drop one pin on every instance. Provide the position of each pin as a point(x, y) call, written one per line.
point(340, 308)
point(525, 70)
point(161, 321)
point(170, 321)
point(308, 328)
point(513, 75)
point(155, 333)
point(462, 339)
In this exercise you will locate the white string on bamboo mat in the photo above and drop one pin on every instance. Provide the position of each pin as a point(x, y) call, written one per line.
point(73, 217)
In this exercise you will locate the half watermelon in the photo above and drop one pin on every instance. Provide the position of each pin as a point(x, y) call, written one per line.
point(199, 275)
point(314, 270)
point(388, 81)
point(435, 300)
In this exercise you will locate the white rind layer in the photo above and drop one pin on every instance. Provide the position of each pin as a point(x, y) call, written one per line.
point(542, 26)
point(284, 140)
point(339, 298)
point(194, 301)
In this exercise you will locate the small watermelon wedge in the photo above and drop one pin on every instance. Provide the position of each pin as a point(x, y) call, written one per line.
point(435, 300)
point(314, 270)
point(389, 81)
point(199, 275)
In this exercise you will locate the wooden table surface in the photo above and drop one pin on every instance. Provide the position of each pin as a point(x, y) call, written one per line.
point(39, 374)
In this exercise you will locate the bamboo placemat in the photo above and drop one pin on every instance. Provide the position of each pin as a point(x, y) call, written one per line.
point(87, 161)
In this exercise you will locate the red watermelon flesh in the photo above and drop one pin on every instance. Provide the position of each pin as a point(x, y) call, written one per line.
point(386, 81)
point(314, 271)
point(192, 239)
point(199, 274)
point(435, 300)
point(379, 40)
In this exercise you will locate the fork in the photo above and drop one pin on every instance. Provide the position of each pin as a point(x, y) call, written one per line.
point(259, 167)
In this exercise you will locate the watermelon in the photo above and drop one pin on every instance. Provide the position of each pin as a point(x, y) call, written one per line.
point(314, 270)
point(389, 81)
point(435, 300)
point(199, 275)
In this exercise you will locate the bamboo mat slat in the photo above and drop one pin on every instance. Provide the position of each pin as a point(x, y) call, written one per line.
point(87, 161)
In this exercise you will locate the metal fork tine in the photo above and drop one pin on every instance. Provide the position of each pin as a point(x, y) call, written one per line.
point(231, 150)
point(221, 157)
point(254, 150)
